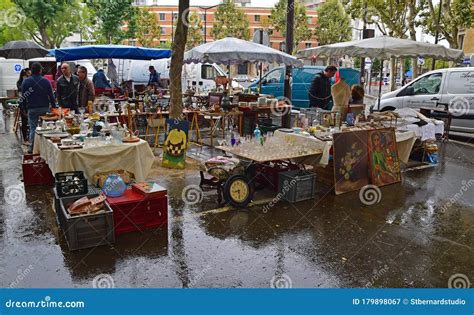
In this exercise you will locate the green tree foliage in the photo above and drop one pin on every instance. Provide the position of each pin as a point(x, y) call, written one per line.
point(11, 22)
point(357, 62)
point(110, 17)
point(231, 21)
point(147, 28)
point(50, 22)
point(278, 21)
point(389, 16)
point(455, 15)
point(195, 28)
point(334, 24)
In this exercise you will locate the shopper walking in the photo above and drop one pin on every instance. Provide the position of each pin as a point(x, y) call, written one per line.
point(37, 98)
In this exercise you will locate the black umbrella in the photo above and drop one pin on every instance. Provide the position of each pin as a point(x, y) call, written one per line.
point(22, 49)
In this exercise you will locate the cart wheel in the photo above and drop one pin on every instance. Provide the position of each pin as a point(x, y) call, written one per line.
point(237, 191)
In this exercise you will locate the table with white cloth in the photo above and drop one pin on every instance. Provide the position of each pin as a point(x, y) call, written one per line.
point(405, 141)
point(136, 158)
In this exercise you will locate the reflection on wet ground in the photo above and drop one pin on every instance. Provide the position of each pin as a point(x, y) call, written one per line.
point(419, 235)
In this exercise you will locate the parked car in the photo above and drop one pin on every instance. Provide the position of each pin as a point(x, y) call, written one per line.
point(452, 86)
point(273, 82)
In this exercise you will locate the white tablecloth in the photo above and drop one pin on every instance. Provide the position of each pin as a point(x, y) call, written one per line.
point(405, 141)
point(136, 158)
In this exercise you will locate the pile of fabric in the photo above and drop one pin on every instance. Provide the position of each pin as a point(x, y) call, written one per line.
point(425, 128)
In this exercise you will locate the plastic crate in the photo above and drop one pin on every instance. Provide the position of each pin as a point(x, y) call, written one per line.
point(132, 212)
point(86, 231)
point(297, 185)
point(66, 185)
point(268, 174)
point(36, 173)
point(57, 205)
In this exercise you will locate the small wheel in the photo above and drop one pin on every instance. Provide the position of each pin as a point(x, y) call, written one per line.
point(237, 191)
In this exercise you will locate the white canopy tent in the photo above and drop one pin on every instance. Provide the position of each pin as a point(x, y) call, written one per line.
point(232, 50)
point(382, 48)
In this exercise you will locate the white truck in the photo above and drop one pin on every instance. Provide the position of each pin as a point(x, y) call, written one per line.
point(10, 70)
point(194, 75)
point(452, 86)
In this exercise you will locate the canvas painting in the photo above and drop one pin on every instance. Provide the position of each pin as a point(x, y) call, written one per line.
point(384, 164)
point(350, 161)
point(174, 150)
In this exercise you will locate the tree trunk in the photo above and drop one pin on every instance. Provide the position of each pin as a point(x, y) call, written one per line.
point(177, 56)
point(393, 73)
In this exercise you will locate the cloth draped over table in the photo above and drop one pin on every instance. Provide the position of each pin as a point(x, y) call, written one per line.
point(136, 158)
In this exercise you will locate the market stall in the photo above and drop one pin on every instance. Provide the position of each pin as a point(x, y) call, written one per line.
point(94, 156)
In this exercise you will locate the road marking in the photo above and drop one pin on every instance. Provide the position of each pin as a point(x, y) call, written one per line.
point(221, 210)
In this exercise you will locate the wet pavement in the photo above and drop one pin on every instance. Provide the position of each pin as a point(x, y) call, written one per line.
point(420, 235)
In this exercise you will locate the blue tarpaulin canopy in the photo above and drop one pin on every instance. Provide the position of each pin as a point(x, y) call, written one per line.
point(109, 51)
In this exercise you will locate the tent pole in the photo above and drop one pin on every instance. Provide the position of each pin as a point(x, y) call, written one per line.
point(380, 83)
point(260, 81)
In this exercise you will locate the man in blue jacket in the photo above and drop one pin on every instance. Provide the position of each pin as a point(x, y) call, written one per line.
point(37, 97)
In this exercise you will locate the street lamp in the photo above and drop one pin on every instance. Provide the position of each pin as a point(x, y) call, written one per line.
point(205, 19)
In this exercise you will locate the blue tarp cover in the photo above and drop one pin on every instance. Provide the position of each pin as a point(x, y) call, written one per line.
point(110, 51)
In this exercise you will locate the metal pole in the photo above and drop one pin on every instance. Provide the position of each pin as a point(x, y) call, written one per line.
point(261, 64)
point(380, 83)
point(362, 59)
point(205, 26)
point(437, 31)
point(172, 27)
point(290, 19)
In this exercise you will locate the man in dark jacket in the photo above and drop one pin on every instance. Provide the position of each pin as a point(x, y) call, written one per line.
point(154, 79)
point(66, 88)
point(86, 88)
point(320, 91)
point(37, 97)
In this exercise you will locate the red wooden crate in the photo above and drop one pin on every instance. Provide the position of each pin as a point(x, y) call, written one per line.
point(132, 212)
point(36, 173)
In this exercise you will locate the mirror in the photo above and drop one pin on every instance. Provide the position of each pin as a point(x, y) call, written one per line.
point(264, 81)
point(410, 90)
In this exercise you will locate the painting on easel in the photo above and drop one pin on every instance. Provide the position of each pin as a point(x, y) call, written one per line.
point(174, 150)
point(384, 164)
point(350, 161)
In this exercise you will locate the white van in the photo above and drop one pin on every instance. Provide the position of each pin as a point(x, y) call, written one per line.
point(199, 75)
point(453, 86)
point(10, 70)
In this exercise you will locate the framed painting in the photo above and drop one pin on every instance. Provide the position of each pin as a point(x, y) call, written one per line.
point(384, 164)
point(174, 149)
point(350, 161)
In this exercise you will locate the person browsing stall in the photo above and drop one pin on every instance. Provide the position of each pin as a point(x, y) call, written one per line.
point(154, 79)
point(100, 80)
point(67, 87)
point(86, 88)
point(320, 91)
point(37, 98)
